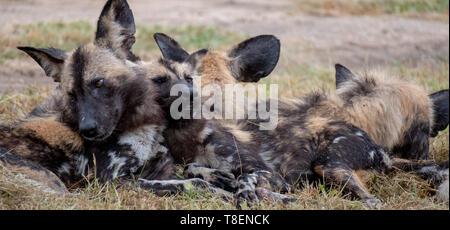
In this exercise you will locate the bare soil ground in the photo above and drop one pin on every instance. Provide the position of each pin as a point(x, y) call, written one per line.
point(357, 41)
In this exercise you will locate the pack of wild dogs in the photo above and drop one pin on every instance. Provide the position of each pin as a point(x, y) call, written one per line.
point(109, 119)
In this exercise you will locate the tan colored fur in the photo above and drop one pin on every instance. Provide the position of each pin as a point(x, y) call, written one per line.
point(54, 133)
point(388, 112)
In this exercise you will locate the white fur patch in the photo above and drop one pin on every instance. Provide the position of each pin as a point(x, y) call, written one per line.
point(116, 163)
point(442, 190)
point(65, 168)
point(81, 162)
point(145, 142)
point(371, 154)
point(386, 159)
point(359, 133)
point(337, 139)
point(205, 133)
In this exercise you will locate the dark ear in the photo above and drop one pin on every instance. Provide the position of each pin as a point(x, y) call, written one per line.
point(51, 60)
point(342, 74)
point(170, 48)
point(195, 59)
point(255, 58)
point(116, 29)
point(440, 109)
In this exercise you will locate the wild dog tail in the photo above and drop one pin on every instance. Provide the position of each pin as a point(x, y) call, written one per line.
point(437, 173)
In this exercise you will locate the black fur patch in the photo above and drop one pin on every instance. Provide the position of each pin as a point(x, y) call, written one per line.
point(441, 111)
point(78, 67)
point(48, 59)
point(342, 74)
point(170, 48)
point(415, 142)
point(123, 16)
point(255, 58)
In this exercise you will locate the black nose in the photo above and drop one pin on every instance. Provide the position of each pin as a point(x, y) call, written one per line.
point(88, 129)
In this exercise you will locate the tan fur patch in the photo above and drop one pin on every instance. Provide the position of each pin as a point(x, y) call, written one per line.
point(390, 109)
point(238, 133)
point(215, 70)
point(54, 133)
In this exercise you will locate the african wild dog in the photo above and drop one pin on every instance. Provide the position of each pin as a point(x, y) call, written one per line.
point(244, 141)
point(210, 147)
point(103, 95)
point(109, 105)
point(315, 137)
point(396, 114)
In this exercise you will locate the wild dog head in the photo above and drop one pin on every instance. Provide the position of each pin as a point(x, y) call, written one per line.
point(176, 73)
point(398, 115)
point(249, 61)
point(103, 89)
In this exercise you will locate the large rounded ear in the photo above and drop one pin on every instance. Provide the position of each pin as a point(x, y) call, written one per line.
point(342, 74)
point(255, 58)
point(170, 48)
point(440, 102)
point(51, 60)
point(116, 29)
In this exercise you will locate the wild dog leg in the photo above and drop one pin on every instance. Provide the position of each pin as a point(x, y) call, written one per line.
point(348, 178)
point(171, 187)
point(216, 177)
point(436, 173)
point(257, 186)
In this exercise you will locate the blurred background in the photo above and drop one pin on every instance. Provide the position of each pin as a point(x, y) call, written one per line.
point(409, 38)
point(315, 34)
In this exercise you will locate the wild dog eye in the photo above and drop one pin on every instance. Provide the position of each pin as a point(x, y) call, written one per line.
point(188, 78)
point(72, 98)
point(160, 79)
point(99, 83)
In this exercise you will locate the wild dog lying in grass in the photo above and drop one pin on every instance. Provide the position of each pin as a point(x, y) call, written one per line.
point(211, 147)
point(119, 161)
point(106, 117)
point(397, 115)
point(317, 136)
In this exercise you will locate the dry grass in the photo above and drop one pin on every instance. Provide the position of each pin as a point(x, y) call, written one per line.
point(398, 191)
point(424, 9)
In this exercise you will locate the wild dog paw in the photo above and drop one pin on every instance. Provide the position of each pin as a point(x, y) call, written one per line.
point(246, 188)
point(263, 193)
point(218, 178)
point(373, 203)
point(175, 186)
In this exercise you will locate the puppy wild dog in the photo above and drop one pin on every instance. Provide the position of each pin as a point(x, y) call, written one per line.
point(102, 95)
point(313, 139)
point(110, 102)
point(396, 114)
point(211, 147)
